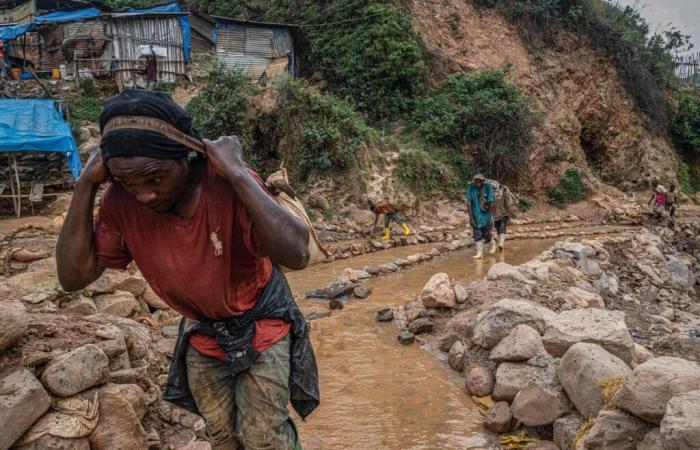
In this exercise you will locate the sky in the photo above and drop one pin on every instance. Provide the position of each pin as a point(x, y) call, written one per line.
point(683, 14)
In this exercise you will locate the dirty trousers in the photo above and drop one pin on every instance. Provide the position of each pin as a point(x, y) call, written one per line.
point(248, 411)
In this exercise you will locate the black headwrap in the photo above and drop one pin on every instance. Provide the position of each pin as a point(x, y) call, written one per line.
point(138, 142)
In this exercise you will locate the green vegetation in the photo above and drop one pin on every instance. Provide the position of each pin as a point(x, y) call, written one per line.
point(220, 107)
point(480, 120)
point(119, 4)
point(644, 58)
point(685, 124)
point(571, 189)
point(81, 109)
point(264, 10)
point(420, 172)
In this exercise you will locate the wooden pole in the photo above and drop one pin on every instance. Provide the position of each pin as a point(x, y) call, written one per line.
point(77, 75)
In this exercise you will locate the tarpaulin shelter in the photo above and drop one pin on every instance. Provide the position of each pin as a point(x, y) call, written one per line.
point(34, 125)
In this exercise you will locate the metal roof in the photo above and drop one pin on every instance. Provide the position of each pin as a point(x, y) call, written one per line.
point(295, 30)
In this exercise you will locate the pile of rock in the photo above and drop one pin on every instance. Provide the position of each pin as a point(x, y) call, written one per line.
point(538, 340)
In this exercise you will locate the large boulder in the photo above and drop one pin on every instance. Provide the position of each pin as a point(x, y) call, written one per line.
point(651, 385)
point(456, 356)
point(680, 427)
point(119, 422)
point(504, 271)
point(539, 404)
point(480, 381)
point(577, 298)
point(681, 276)
point(498, 321)
point(77, 370)
point(511, 377)
point(22, 401)
point(13, 323)
point(583, 371)
point(652, 441)
point(596, 326)
point(521, 344)
point(120, 304)
point(614, 429)
point(499, 418)
point(437, 292)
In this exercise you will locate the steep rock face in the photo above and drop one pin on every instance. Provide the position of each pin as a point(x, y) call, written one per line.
point(590, 119)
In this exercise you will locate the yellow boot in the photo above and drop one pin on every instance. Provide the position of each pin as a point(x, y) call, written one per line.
point(406, 230)
point(387, 234)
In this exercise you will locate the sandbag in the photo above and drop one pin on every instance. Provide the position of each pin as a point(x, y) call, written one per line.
point(278, 183)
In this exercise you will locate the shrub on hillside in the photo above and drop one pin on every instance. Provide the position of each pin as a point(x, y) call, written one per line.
point(81, 109)
point(571, 189)
point(484, 114)
point(220, 107)
point(421, 173)
point(685, 124)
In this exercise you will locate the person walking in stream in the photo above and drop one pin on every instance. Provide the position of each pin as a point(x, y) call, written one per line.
point(391, 213)
point(481, 199)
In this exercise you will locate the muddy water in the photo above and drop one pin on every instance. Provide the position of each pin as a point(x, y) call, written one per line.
point(377, 394)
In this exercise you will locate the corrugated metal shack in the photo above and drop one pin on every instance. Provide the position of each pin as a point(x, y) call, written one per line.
point(202, 36)
point(264, 50)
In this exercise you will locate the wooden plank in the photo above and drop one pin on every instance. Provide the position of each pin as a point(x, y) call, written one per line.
point(37, 192)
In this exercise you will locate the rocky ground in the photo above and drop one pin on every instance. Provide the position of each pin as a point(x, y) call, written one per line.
point(592, 345)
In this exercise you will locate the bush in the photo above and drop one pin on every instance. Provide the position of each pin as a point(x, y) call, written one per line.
point(685, 124)
point(421, 173)
point(376, 62)
point(264, 10)
point(81, 109)
point(571, 189)
point(484, 115)
point(220, 107)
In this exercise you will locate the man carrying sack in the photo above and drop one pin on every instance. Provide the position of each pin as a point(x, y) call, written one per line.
point(208, 237)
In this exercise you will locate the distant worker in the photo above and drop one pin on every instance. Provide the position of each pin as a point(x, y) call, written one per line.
point(481, 199)
point(151, 71)
point(391, 212)
point(3, 64)
point(672, 201)
point(657, 202)
point(502, 210)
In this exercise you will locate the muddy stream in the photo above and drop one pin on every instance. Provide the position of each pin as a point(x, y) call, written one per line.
point(375, 393)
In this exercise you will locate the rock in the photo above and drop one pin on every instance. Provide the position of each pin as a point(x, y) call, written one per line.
point(317, 314)
point(461, 293)
point(541, 445)
point(455, 357)
point(652, 384)
point(82, 306)
point(153, 300)
point(651, 273)
point(565, 430)
point(339, 288)
point(373, 270)
point(197, 445)
point(641, 354)
point(120, 304)
point(614, 429)
point(22, 401)
point(496, 323)
point(652, 441)
point(536, 405)
point(335, 304)
point(389, 267)
point(13, 323)
point(362, 292)
point(447, 341)
point(385, 315)
point(134, 285)
point(119, 422)
point(48, 442)
point(437, 293)
point(581, 371)
point(421, 326)
point(681, 276)
point(501, 271)
point(511, 377)
point(578, 298)
point(590, 268)
point(523, 343)
point(132, 393)
point(77, 370)
point(596, 326)
point(498, 418)
point(668, 314)
point(680, 427)
point(480, 381)
point(128, 376)
point(406, 338)
point(166, 346)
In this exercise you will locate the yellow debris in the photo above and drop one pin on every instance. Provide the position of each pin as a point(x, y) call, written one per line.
point(516, 442)
point(483, 403)
point(610, 386)
point(582, 431)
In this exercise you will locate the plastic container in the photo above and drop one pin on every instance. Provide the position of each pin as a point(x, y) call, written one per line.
point(56, 74)
point(16, 73)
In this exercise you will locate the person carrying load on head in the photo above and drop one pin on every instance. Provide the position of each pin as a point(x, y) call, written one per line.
point(481, 199)
point(208, 237)
point(391, 213)
point(503, 208)
point(657, 202)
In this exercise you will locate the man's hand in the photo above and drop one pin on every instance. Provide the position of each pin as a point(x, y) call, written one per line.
point(225, 155)
point(95, 171)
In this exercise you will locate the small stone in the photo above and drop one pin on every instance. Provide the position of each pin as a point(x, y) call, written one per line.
point(406, 338)
point(317, 314)
point(373, 270)
point(128, 376)
point(480, 381)
point(680, 427)
point(668, 314)
point(523, 343)
point(385, 315)
point(22, 401)
point(461, 293)
point(339, 289)
point(82, 306)
point(13, 323)
point(456, 356)
point(535, 405)
point(119, 420)
point(134, 285)
point(498, 418)
point(389, 267)
point(492, 325)
point(76, 371)
point(421, 326)
point(120, 304)
point(652, 441)
point(641, 354)
point(614, 429)
point(362, 292)
point(565, 430)
point(335, 304)
point(437, 292)
point(501, 271)
point(446, 342)
point(153, 300)
point(511, 377)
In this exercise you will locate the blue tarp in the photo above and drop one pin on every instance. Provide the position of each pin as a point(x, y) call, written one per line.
point(67, 16)
point(183, 19)
point(8, 32)
point(37, 126)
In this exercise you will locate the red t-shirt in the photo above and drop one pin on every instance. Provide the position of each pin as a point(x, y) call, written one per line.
point(385, 208)
point(178, 256)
